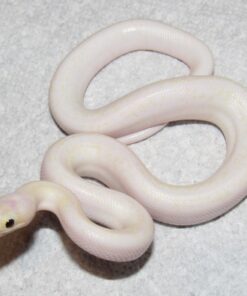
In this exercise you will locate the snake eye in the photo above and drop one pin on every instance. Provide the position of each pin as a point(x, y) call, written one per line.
point(10, 223)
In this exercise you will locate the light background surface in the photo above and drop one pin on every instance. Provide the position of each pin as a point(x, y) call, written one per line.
point(210, 259)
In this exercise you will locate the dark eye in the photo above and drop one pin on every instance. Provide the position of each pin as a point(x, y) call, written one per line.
point(10, 223)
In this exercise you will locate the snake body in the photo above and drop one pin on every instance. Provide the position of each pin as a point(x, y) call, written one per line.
point(74, 74)
point(108, 222)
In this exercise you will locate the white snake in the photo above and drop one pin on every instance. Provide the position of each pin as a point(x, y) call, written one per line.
point(124, 228)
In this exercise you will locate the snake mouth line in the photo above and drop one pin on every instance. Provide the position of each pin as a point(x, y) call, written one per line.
point(9, 230)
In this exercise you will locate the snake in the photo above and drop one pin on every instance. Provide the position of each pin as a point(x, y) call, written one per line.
point(115, 221)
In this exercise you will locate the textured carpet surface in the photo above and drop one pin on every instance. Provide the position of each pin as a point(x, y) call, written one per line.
point(210, 259)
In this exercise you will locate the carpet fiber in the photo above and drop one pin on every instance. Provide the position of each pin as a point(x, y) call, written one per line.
point(210, 259)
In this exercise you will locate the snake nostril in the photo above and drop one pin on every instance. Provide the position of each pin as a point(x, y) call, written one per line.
point(10, 223)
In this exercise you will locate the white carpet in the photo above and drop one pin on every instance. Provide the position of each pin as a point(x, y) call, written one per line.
point(210, 259)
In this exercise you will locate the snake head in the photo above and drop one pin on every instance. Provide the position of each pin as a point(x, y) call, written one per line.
point(15, 212)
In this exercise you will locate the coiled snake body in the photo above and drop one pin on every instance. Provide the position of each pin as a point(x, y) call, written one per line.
point(124, 228)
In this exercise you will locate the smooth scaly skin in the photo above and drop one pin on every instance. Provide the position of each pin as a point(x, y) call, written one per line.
point(212, 99)
point(133, 117)
point(130, 227)
point(74, 74)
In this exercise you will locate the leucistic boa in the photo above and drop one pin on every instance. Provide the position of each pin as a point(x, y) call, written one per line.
point(108, 222)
